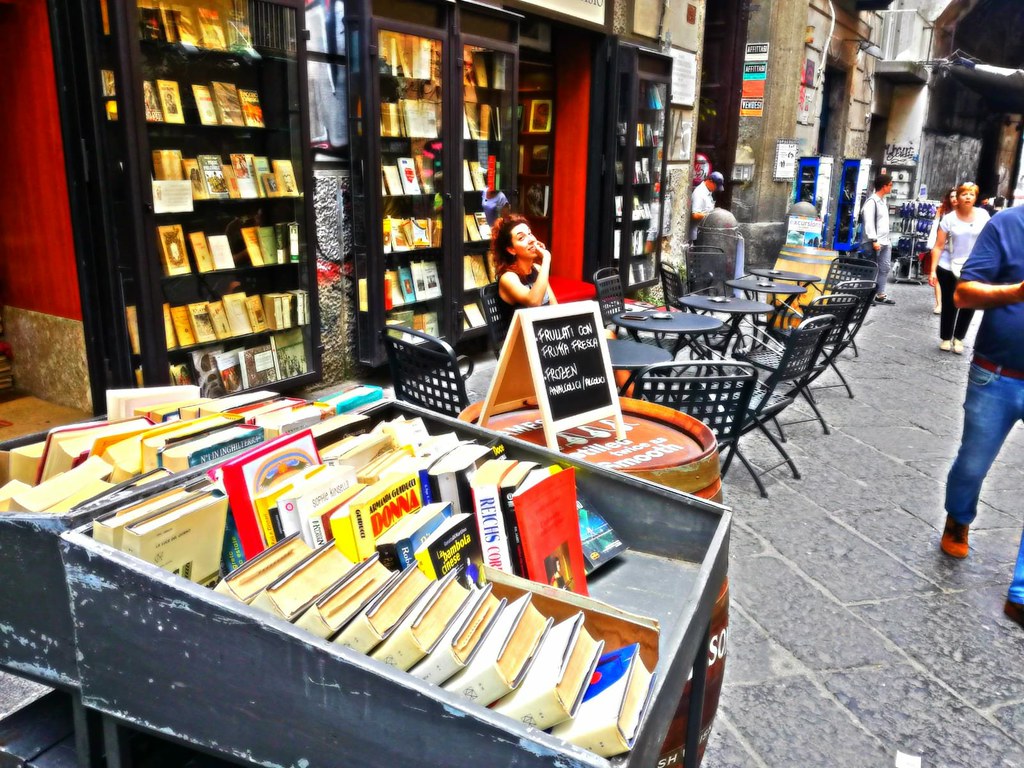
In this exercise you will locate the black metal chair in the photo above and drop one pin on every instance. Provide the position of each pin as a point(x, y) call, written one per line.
point(707, 269)
point(672, 286)
point(498, 316)
point(425, 370)
point(717, 393)
point(610, 297)
point(846, 268)
point(785, 364)
point(842, 308)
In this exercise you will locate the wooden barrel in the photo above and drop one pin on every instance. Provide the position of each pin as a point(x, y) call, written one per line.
point(809, 261)
point(662, 445)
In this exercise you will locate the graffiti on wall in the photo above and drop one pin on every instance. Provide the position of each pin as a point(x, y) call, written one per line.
point(900, 154)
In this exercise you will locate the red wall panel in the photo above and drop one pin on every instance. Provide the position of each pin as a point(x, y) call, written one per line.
point(572, 127)
point(37, 257)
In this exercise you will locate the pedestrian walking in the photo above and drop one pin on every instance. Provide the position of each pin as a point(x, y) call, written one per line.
point(876, 243)
point(992, 279)
point(946, 205)
point(958, 232)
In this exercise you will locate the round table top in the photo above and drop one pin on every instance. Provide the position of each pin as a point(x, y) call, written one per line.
point(626, 354)
point(782, 274)
point(760, 285)
point(666, 322)
point(729, 305)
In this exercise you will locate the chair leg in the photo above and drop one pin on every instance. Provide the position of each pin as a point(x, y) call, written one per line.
point(753, 473)
point(778, 426)
point(842, 379)
point(780, 448)
point(856, 352)
point(730, 451)
point(806, 392)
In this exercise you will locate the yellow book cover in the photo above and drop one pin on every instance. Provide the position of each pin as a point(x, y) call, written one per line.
point(254, 310)
point(381, 506)
point(287, 185)
point(169, 334)
point(67, 446)
point(190, 170)
point(238, 317)
point(170, 101)
point(204, 103)
point(8, 490)
point(201, 250)
point(182, 326)
point(167, 165)
point(266, 506)
point(219, 318)
point(131, 317)
point(252, 112)
point(23, 462)
point(41, 497)
point(167, 411)
point(172, 249)
point(251, 237)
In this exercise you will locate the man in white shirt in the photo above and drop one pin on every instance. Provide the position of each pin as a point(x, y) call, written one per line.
point(877, 244)
point(702, 202)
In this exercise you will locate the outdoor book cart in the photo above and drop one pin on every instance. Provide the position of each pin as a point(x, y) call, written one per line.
point(161, 655)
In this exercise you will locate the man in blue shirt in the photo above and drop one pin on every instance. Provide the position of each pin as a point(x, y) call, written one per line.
point(992, 280)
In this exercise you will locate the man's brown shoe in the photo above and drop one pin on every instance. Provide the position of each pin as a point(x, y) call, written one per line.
point(1015, 611)
point(954, 538)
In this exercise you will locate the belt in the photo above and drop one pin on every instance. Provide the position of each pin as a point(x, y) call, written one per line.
point(988, 365)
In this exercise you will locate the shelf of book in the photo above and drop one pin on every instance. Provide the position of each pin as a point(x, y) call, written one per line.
point(242, 663)
point(211, 105)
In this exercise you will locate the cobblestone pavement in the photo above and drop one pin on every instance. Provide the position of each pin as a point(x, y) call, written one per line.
point(851, 635)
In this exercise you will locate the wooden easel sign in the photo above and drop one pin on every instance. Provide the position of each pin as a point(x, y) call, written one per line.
point(559, 355)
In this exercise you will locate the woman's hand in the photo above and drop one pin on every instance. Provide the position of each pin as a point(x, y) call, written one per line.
point(932, 279)
point(543, 253)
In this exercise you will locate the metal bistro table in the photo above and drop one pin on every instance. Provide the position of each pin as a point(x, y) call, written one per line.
point(634, 356)
point(687, 327)
point(803, 279)
point(782, 295)
point(735, 308)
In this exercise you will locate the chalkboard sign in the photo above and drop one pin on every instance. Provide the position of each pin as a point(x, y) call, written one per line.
point(572, 365)
point(558, 355)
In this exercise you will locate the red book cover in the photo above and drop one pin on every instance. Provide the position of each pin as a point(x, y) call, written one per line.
point(550, 531)
point(246, 475)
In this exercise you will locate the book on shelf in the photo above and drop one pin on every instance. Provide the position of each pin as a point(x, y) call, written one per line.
point(151, 102)
point(485, 122)
point(553, 689)
point(190, 169)
point(170, 101)
point(246, 582)
point(172, 249)
point(154, 440)
point(407, 285)
point(201, 251)
point(287, 184)
point(234, 192)
point(179, 456)
point(252, 112)
point(182, 326)
point(313, 490)
point(268, 185)
point(259, 366)
point(228, 365)
point(188, 32)
point(220, 252)
point(505, 655)
point(613, 706)
point(219, 319)
point(292, 594)
point(205, 367)
point(482, 225)
point(419, 631)
point(131, 317)
point(382, 614)
point(184, 539)
point(373, 512)
point(211, 29)
point(235, 309)
point(333, 609)
point(243, 167)
point(249, 474)
point(479, 267)
point(476, 175)
point(549, 528)
point(472, 231)
point(537, 199)
point(251, 239)
point(268, 245)
point(474, 316)
point(225, 99)
point(201, 323)
point(167, 165)
point(205, 105)
point(392, 180)
point(390, 120)
point(213, 176)
point(425, 173)
point(169, 334)
point(407, 176)
point(290, 349)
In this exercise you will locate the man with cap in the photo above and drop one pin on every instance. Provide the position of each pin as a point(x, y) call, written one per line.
point(702, 202)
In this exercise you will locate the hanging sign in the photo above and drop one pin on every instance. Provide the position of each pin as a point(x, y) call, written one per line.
point(563, 350)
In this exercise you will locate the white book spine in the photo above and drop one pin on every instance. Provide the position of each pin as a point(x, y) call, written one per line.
point(491, 522)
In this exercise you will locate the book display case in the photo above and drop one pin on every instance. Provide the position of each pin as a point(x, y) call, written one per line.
point(439, 131)
point(537, 145)
point(637, 194)
point(207, 99)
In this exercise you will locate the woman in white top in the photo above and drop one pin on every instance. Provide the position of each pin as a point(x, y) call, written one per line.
point(954, 242)
point(947, 204)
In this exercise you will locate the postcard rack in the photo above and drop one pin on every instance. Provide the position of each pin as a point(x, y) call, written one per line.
point(163, 656)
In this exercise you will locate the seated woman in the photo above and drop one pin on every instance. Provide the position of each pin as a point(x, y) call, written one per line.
point(522, 264)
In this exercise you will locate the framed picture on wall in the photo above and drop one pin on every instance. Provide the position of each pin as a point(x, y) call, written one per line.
point(540, 116)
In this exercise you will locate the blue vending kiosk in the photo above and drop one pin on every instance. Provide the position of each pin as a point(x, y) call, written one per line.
point(853, 186)
point(814, 185)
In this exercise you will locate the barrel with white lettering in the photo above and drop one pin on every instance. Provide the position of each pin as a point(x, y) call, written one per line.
point(662, 445)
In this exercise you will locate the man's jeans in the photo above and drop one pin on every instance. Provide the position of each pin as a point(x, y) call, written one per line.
point(883, 258)
point(994, 404)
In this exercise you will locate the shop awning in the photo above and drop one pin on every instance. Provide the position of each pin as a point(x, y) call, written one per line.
point(1001, 87)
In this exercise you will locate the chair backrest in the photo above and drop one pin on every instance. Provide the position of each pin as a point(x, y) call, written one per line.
point(864, 290)
point(498, 316)
point(841, 306)
point(609, 293)
point(717, 393)
point(707, 269)
point(425, 370)
point(846, 268)
point(802, 348)
point(671, 285)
